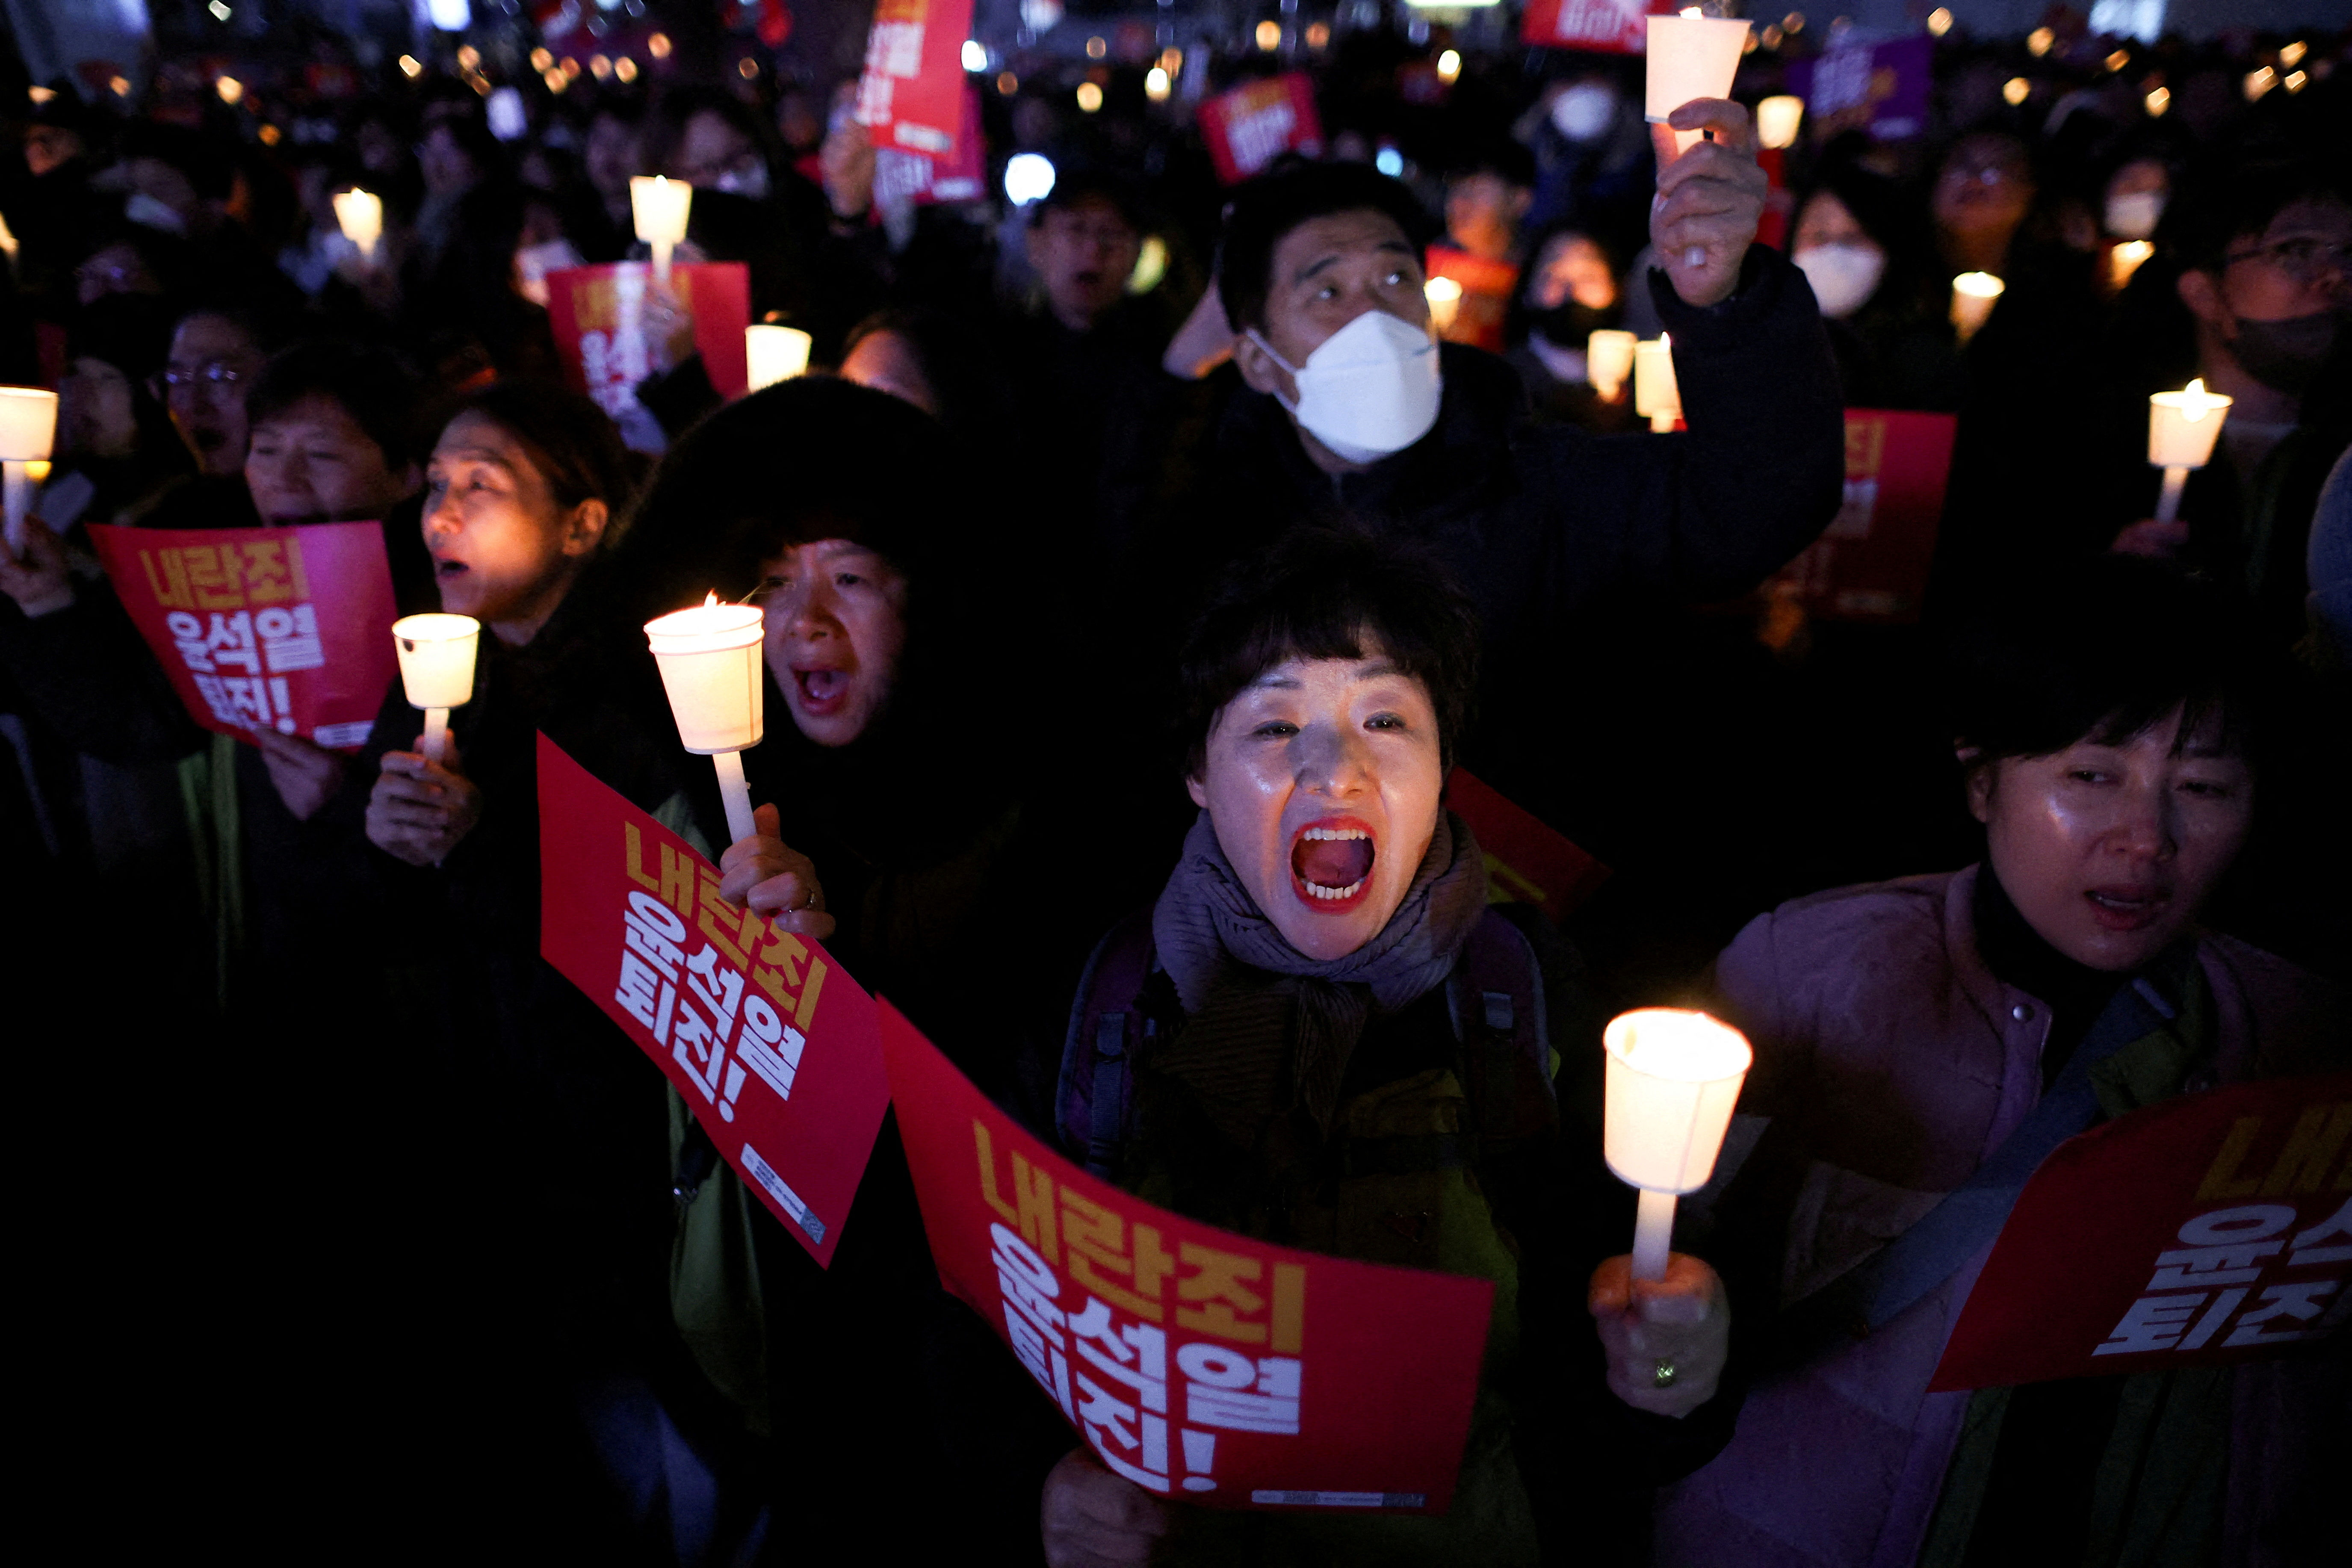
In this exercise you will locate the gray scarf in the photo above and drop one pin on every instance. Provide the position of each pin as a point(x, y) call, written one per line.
point(1268, 1030)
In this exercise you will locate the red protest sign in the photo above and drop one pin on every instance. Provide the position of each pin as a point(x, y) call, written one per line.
point(2210, 1228)
point(1256, 122)
point(598, 316)
point(1526, 861)
point(958, 177)
point(765, 1037)
point(1604, 26)
point(284, 629)
point(1871, 564)
point(912, 94)
point(1198, 1363)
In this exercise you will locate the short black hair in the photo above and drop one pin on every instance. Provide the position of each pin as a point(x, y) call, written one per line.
point(1325, 593)
point(2225, 203)
point(569, 439)
point(1266, 209)
point(1076, 188)
point(370, 384)
point(2099, 649)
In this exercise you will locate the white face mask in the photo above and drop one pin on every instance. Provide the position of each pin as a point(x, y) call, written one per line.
point(1372, 388)
point(1585, 112)
point(1844, 276)
point(2133, 217)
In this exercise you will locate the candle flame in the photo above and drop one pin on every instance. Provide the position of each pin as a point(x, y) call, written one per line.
point(1668, 338)
point(2195, 404)
point(1693, 12)
point(710, 599)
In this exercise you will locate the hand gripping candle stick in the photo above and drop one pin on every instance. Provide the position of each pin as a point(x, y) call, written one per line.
point(1691, 56)
point(28, 428)
point(1656, 396)
point(1609, 360)
point(436, 671)
point(775, 353)
point(660, 207)
point(360, 214)
point(709, 659)
point(2182, 429)
point(1673, 1079)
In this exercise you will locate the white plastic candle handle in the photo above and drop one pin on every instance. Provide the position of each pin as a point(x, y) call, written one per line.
point(20, 504)
point(437, 734)
point(662, 248)
point(1654, 1234)
point(737, 793)
point(2168, 505)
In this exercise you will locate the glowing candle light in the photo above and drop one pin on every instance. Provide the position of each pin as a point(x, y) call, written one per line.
point(660, 207)
point(1609, 360)
point(776, 353)
point(1656, 396)
point(1778, 120)
point(1444, 297)
point(360, 214)
point(710, 665)
point(2128, 259)
point(28, 428)
point(1673, 1079)
point(1691, 56)
point(1973, 294)
point(436, 669)
point(2182, 429)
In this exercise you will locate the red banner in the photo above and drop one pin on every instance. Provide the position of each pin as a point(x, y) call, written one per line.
point(1199, 1364)
point(1872, 563)
point(765, 1037)
point(1605, 26)
point(597, 314)
point(960, 176)
point(1528, 862)
point(1258, 121)
point(912, 94)
point(2213, 1227)
point(284, 629)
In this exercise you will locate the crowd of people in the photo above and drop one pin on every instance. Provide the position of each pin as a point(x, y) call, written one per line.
point(1148, 524)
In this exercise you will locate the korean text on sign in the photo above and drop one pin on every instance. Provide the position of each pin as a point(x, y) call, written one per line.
point(1197, 1363)
point(264, 628)
point(2209, 1228)
point(770, 1046)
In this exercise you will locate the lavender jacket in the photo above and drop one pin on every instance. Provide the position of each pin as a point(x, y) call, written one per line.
point(1877, 1024)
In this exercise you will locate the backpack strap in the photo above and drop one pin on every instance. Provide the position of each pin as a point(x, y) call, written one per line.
point(1110, 1019)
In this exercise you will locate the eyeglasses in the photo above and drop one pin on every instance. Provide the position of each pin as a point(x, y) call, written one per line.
point(212, 375)
point(2303, 259)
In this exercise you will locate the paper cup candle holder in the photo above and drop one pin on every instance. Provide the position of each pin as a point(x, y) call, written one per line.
point(1609, 360)
point(2182, 429)
point(1656, 397)
point(436, 669)
point(1691, 54)
point(29, 430)
point(360, 214)
point(1673, 1079)
point(660, 207)
point(1974, 294)
point(710, 665)
point(775, 353)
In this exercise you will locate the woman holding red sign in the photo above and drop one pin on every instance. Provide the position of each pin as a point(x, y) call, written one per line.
point(1337, 1045)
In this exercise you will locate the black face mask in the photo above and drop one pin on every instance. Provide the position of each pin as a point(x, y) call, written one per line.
point(1569, 323)
point(2288, 355)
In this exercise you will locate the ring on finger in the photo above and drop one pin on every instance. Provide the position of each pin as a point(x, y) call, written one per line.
point(1662, 1374)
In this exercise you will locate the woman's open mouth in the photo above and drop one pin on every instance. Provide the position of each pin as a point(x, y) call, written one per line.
point(1331, 864)
point(446, 569)
point(820, 693)
point(2126, 908)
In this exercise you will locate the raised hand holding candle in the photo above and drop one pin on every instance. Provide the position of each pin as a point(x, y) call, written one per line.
point(2182, 429)
point(436, 671)
point(775, 353)
point(710, 665)
point(1673, 1079)
point(28, 428)
point(1973, 294)
point(1691, 56)
point(660, 207)
point(1609, 360)
point(360, 214)
point(1656, 396)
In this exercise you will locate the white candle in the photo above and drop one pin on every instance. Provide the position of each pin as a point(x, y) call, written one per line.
point(436, 669)
point(29, 430)
point(660, 207)
point(1778, 120)
point(710, 665)
point(775, 353)
point(1609, 360)
point(1671, 1080)
point(2126, 258)
point(1444, 296)
point(361, 215)
point(1973, 294)
point(1691, 56)
point(1656, 397)
point(2182, 429)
